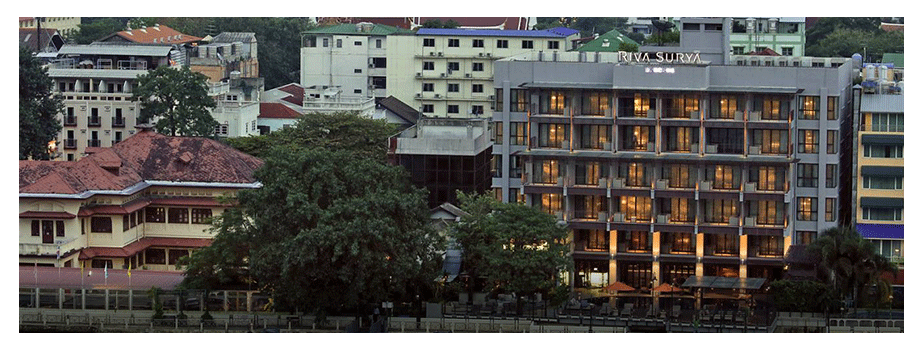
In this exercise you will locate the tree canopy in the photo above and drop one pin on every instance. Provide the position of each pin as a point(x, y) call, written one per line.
point(348, 131)
point(511, 246)
point(436, 23)
point(327, 230)
point(180, 98)
point(38, 109)
point(92, 29)
point(849, 265)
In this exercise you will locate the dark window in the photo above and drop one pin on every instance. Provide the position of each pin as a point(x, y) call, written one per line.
point(179, 215)
point(36, 228)
point(502, 44)
point(453, 66)
point(832, 175)
point(175, 254)
point(477, 110)
point(452, 108)
point(428, 65)
point(528, 44)
point(477, 88)
point(807, 175)
point(517, 133)
point(101, 224)
point(518, 99)
point(428, 87)
point(477, 43)
point(155, 214)
point(201, 216)
point(691, 26)
point(59, 225)
point(727, 140)
point(477, 67)
point(155, 256)
point(453, 87)
point(126, 223)
point(713, 26)
point(101, 263)
point(553, 45)
point(454, 43)
point(428, 108)
point(429, 42)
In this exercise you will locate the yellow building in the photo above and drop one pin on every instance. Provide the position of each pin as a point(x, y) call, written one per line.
point(144, 202)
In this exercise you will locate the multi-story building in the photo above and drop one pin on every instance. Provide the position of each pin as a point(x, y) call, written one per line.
point(878, 173)
point(445, 155)
point(665, 170)
point(67, 26)
point(236, 105)
point(349, 57)
point(784, 35)
point(449, 72)
point(163, 190)
point(95, 83)
point(225, 53)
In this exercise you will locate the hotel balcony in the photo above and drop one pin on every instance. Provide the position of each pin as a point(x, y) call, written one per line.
point(734, 116)
point(620, 183)
point(528, 180)
point(722, 186)
point(631, 219)
point(607, 114)
point(94, 121)
point(681, 113)
point(632, 113)
point(70, 120)
point(765, 221)
point(668, 219)
point(550, 144)
point(587, 182)
point(93, 143)
point(689, 148)
point(583, 246)
point(589, 215)
point(70, 143)
point(118, 122)
point(756, 116)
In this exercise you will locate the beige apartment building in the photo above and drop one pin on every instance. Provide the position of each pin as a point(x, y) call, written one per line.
point(449, 72)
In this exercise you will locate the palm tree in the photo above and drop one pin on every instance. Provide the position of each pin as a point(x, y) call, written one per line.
point(849, 264)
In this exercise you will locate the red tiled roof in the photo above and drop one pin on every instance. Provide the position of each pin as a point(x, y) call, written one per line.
point(126, 208)
point(46, 215)
point(891, 27)
point(28, 37)
point(276, 110)
point(157, 35)
point(145, 156)
point(765, 52)
point(296, 92)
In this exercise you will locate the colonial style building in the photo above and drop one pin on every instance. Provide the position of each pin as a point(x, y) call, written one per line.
point(675, 167)
point(145, 202)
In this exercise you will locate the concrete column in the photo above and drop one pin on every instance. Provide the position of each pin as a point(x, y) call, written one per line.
point(83, 299)
point(107, 299)
point(130, 300)
point(38, 297)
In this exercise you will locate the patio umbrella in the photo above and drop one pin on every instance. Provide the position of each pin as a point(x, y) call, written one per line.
point(618, 287)
point(667, 288)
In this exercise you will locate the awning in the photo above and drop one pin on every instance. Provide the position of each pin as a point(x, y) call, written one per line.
point(885, 231)
point(881, 202)
point(882, 170)
point(882, 139)
point(723, 282)
point(46, 215)
point(141, 244)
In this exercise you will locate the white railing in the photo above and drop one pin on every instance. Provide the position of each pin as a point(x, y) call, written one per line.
point(49, 248)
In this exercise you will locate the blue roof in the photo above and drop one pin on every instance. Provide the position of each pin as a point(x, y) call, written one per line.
point(549, 33)
point(887, 231)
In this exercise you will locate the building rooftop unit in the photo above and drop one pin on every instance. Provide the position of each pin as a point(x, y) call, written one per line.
point(608, 42)
point(363, 28)
point(444, 136)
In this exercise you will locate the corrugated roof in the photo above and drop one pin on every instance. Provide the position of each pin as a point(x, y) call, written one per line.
point(491, 32)
point(884, 103)
point(231, 37)
point(276, 110)
point(95, 73)
point(608, 42)
point(352, 29)
point(895, 58)
point(116, 50)
point(399, 108)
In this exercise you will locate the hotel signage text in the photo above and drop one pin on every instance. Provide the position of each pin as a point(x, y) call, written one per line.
point(660, 57)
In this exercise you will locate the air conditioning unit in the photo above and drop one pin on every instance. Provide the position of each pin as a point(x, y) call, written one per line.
point(438, 95)
point(371, 65)
point(480, 54)
point(419, 95)
point(419, 74)
point(440, 54)
point(489, 54)
point(432, 54)
point(492, 97)
point(443, 75)
point(467, 75)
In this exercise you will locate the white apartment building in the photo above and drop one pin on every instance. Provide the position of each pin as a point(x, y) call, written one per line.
point(237, 105)
point(784, 35)
point(95, 83)
point(348, 57)
point(449, 72)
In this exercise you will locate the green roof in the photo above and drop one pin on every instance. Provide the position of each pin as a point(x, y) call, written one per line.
point(346, 28)
point(895, 58)
point(608, 42)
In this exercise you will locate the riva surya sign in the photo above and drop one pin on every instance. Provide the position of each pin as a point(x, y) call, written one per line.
point(660, 57)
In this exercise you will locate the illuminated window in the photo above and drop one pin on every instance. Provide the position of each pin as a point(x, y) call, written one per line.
point(637, 138)
point(517, 133)
point(770, 141)
point(767, 212)
point(594, 136)
point(768, 178)
point(808, 141)
point(636, 208)
point(588, 173)
point(832, 175)
point(682, 243)
point(725, 106)
point(636, 174)
point(832, 141)
point(594, 103)
point(831, 209)
point(725, 177)
point(553, 135)
point(681, 210)
point(806, 208)
point(681, 106)
point(681, 175)
point(809, 107)
point(831, 108)
point(720, 210)
point(550, 202)
point(546, 171)
point(553, 102)
point(635, 106)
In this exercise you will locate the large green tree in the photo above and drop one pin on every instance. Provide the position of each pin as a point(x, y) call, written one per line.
point(511, 246)
point(849, 264)
point(179, 98)
point(38, 109)
point(347, 131)
point(92, 29)
point(843, 42)
point(328, 230)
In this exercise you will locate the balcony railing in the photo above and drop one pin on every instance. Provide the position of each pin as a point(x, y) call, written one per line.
point(753, 187)
point(692, 148)
point(621, 217)
point(758, 221)
point(670, 219)
point(118, 122)
point(70, 120)
point(93, 121)
point(736, 116)
point(584, 246)
point(590, 182)
point(93, 143)
point(590, 215)
point(631, 113)
point(725, 221)
point(681, 113)
point(70, 144)
point(768, 252)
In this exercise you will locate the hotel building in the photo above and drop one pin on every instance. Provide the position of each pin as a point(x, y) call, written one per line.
point(784, 35)
point(668, 170)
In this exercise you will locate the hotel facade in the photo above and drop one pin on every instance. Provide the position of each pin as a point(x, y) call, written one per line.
point(665, 171)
